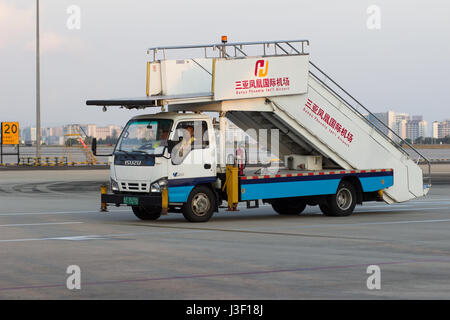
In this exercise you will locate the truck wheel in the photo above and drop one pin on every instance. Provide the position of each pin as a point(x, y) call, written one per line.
point(342, 203)
point(288, 207)
point(200, 205)
point(147, 213)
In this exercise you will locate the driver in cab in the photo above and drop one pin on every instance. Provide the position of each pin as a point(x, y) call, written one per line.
point(188, 141)
point(186, 145)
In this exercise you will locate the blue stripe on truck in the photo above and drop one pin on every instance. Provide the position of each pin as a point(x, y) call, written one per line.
point(273, 190)
point(371, 184)
point(316, 177)
point(301, 186)
point(179, 194)
point(179, 189)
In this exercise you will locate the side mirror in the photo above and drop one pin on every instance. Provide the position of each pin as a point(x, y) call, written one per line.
point(94, 146)
point(172, 143)
point(94, 149)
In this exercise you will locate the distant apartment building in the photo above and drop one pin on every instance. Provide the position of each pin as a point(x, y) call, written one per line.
point(435, 129)
point(401, 124)
point(92, 130)
point(394, 121)
point(52, 135)
point(58, 135)
point(386, 118)
point(28, 135)
point(441, 129)
point(102, 133)
point(416, 127)
point(56, 131)
point(54, 140)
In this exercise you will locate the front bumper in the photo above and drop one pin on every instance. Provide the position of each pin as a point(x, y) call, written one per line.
point(132, 199)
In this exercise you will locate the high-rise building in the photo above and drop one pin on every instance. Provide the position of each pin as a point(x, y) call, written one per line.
point(90, 130)
point(102, 133)
point(416, 128)
point(29, 135)
point(441, 129)
point(435, 130)
point(394, 121)
point(386, 118)
point(401, 124)
point(399, 127)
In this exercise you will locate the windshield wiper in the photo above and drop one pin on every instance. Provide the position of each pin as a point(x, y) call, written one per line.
point(126, 152)
point(141, 151)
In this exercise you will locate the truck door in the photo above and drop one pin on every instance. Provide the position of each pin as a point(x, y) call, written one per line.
point(193, 160)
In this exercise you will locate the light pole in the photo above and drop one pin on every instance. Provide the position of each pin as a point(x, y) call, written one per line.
point(38, 87)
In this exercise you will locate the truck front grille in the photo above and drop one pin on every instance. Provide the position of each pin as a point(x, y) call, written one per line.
point(135, 186)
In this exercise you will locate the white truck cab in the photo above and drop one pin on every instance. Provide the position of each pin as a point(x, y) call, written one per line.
point(158, 151)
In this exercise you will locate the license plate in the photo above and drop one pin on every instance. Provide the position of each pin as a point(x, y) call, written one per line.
point(131, 201)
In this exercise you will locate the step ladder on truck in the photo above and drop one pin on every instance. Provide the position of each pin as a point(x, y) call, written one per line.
point(175, 160)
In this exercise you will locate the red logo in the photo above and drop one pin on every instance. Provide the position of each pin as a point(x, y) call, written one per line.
point(261, 68)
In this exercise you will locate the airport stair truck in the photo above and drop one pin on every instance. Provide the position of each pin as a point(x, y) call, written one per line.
point(334, 156)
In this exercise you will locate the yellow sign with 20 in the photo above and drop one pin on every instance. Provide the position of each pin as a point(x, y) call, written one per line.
point(10, 133)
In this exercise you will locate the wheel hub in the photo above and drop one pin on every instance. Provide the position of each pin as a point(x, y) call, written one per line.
point(344, 199)
point(200, 204)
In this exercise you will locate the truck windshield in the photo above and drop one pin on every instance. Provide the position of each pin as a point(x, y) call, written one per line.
point(145, 136)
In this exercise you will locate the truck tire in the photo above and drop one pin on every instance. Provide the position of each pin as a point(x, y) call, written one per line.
point(288, 207)
point(147, 213)
point(342, 203)
point(200, 205)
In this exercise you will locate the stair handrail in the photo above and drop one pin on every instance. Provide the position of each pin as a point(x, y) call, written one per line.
point(238, 47)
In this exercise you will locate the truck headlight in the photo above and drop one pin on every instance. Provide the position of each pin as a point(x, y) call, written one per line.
point(159, 185)
point(155, 188)
point(114, 185)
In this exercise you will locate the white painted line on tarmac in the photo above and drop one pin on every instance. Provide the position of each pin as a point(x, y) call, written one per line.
point(376, 223)
point(406, 221)
point(52, 213)
point(347, 224)
point(39, 224)
point(82, 237)
point(112, 236)
point(35, 239)
point(102, 236)
point(393, 210)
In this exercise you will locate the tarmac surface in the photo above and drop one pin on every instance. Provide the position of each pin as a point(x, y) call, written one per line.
point(50, 220)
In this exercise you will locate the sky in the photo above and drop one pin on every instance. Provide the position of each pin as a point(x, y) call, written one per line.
point(403, 66)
